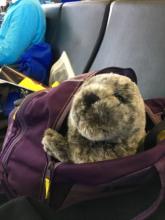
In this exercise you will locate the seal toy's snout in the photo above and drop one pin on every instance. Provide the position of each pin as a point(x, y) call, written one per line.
point(90, 99)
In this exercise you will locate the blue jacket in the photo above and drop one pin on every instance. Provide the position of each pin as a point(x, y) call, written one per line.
point(24, 25)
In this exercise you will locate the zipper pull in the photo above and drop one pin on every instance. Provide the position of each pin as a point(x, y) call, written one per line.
point(52, 165)
point(48, 179)
point(47, 187)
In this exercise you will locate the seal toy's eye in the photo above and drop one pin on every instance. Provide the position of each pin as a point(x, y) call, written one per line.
point(120, 97)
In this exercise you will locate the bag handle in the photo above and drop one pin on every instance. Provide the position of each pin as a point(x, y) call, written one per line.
point(160, 167)
point(155, 118)
point(129, 72)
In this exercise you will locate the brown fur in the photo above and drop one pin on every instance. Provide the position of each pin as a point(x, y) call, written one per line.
point(106, 121)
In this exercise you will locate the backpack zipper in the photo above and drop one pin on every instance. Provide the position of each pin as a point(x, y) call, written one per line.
point(48, 178)
point(16, 138)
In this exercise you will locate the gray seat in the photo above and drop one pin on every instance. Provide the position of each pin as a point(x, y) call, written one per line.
point(77, 28)
point(135, 37)
point(52, 12)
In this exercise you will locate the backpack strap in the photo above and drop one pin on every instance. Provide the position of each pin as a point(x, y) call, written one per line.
point(155, 135)
point(155, 118)
point(155, 109)
point(155, 113)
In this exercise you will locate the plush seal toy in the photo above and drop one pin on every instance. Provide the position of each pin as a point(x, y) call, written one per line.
point(106, 121)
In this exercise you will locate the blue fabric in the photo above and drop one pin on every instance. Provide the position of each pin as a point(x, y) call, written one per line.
point(23, 26)
point(9, 105)
point(36, 62)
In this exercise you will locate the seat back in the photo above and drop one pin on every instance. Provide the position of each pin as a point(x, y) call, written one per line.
point(77, 28)
point(135, 38)
point(52, 12)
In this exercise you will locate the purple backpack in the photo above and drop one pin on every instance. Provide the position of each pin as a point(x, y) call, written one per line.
point(26, 170)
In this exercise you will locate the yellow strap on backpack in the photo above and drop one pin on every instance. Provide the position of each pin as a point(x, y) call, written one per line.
point(31, 85)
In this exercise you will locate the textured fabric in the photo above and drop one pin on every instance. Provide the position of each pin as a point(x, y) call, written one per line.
point(24, 25)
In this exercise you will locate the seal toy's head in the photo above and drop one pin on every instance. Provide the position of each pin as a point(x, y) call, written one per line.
point(108, 107)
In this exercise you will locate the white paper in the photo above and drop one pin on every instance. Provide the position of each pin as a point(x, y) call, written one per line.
point(61, 69)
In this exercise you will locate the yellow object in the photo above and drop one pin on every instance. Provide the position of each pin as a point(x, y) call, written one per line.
point(47, 187)
point(55, 84)
point(31, 85)
point(161, 136)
